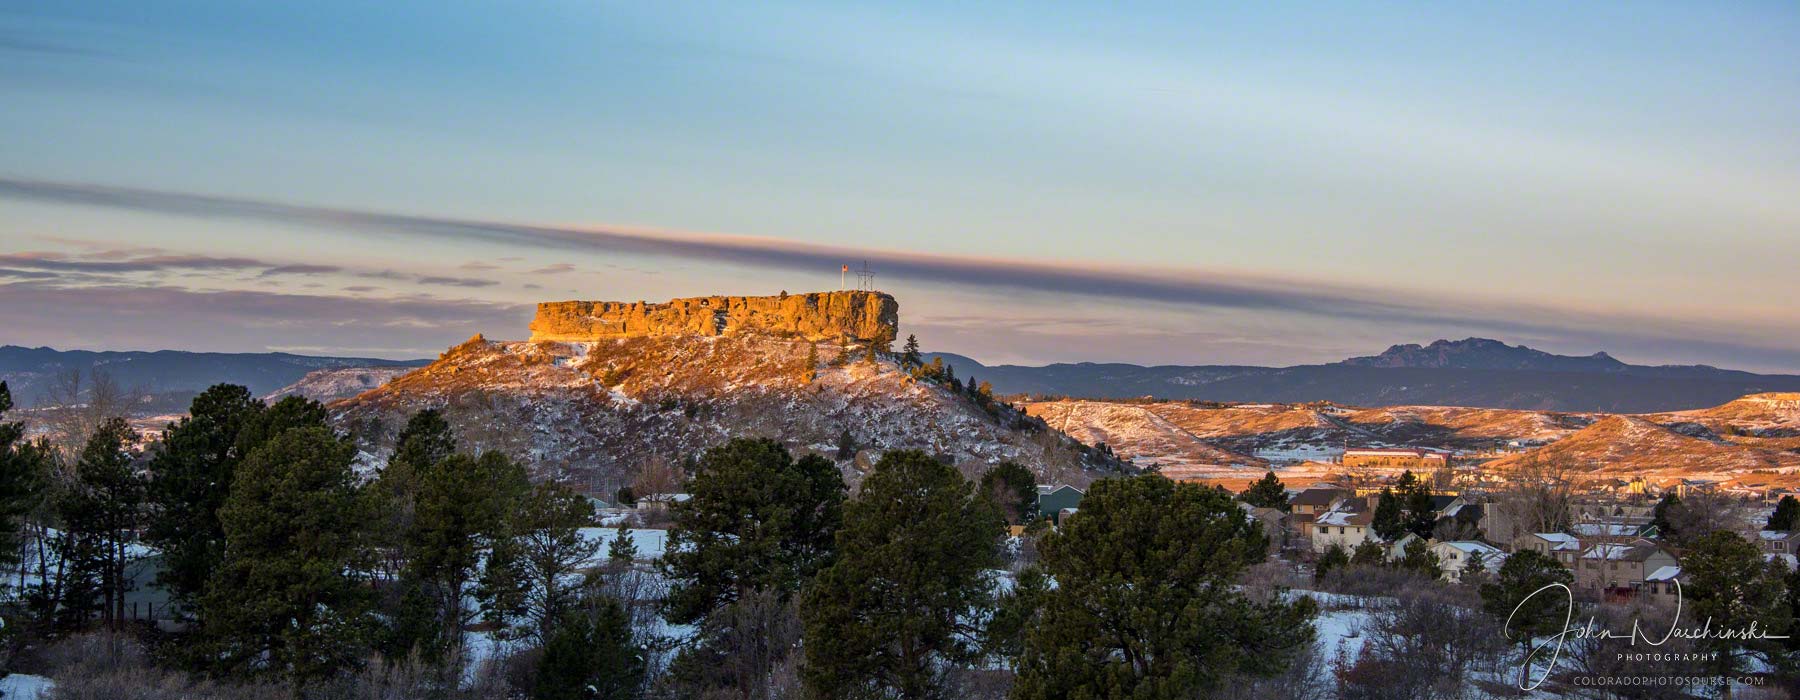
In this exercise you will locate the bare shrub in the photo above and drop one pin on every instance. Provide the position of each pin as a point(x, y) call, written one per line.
point(1426, 644)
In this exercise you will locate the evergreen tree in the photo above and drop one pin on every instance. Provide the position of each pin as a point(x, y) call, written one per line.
point(1420, 516)
point(24, 480)
point(1333, 559)
point(1145, 604)
point(100, 513)
point(1662, 517)
point(1014, 490)
point(1510, 598)
point(1389, 520)
point(1475, 570)
point(1369, 553)
point(755, 519)
point(1786, 515)
point(1267, 492)
point(1016, 613)
point(622, 550)
point(811, 369)
point(909, 353)
point(461, 507)
point(846, 445)
point(192, 469)
point(1417, 558)
point(591, 656)
point(894, 609)
point(287, 598)
point(529, 568)
point(1732, 588)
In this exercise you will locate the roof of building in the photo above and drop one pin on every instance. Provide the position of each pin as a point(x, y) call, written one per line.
point(1777, 534)
point(1394, 452)
point(1346, 518)
point(1471, 547)
point(1318, 497)
point(1620, 552)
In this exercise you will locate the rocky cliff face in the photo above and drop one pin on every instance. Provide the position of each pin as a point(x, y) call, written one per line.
point(856, 315)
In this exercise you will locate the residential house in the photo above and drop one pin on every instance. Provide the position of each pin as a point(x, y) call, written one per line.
point(1274, 524)
point(1306, 505)
point(1347, 525)
point(1780, 545)
point(1454, 557)
point(1620, 568)
point(1663, 585)
point(1054, 500)
point(1561, 546)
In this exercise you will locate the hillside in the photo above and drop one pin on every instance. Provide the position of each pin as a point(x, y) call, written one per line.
point(597, 412)
point(1177, 432)
point(1636, 445)
point(327, 385)
point(169, 377)
point(1474, 372)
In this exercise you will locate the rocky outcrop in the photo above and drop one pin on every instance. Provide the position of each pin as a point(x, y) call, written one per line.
point(856, 315)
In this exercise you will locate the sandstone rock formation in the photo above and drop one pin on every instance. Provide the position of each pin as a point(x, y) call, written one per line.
point(856, 315)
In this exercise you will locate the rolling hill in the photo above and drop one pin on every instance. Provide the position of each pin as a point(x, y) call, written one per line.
point(1474, 372)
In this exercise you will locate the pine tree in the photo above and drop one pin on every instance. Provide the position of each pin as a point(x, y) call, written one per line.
point(1418, 558)
point(1334, 558)
point(1144, 604)
point(287, 598)
point(810, 371)
point(1662, 517)
point(529, 568)
point(24, 480)
point(192, 468)
point(909, 353)
point(462, 507)
point(1732, 588)
point(846, 445)
point(1014, 489)
point(1369, 553)
point(1419, 515)
point(1388, 521)
point(590, 656)
point(625, 497)
point(100, 512)
point(755, 519)
point(1510, 597)
point(1267, 492)
point(1786, 515)
point(1475, 570)
point(896, 604)
point(622, 549)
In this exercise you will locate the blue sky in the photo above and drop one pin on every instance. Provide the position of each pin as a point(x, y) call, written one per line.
point(1300, 182)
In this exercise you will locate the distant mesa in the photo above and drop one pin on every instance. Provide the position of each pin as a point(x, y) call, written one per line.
point(853, 315)
point(1484, 353)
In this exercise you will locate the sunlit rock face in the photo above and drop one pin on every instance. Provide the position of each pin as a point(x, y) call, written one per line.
point(855, 315)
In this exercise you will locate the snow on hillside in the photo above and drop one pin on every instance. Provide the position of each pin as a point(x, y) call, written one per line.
point(328, 385)
point(594, 413)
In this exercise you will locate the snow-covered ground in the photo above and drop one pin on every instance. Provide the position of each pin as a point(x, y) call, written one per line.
point(650, 543)
point(20, 686)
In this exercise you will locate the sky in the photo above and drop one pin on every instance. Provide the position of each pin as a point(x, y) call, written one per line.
point(1180, 183)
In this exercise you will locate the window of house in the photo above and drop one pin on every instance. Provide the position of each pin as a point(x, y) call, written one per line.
point(1324, 531)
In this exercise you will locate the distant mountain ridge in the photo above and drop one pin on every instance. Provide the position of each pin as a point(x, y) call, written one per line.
point(168, 375)
point(1484, 353)
point(1474, 372)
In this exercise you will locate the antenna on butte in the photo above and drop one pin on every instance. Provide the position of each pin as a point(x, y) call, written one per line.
point(865, 278)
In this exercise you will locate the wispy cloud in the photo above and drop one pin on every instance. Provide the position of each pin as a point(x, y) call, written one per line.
point(455, 281)
point(161, 316)
point(554, 269)
point(1151, 285)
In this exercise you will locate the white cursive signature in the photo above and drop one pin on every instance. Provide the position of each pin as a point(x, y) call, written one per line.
point(1592, 630)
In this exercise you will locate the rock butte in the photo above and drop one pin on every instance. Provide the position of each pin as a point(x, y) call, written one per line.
point(855, 315)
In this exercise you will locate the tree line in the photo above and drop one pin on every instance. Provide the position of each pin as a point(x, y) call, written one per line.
point(288, 565)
